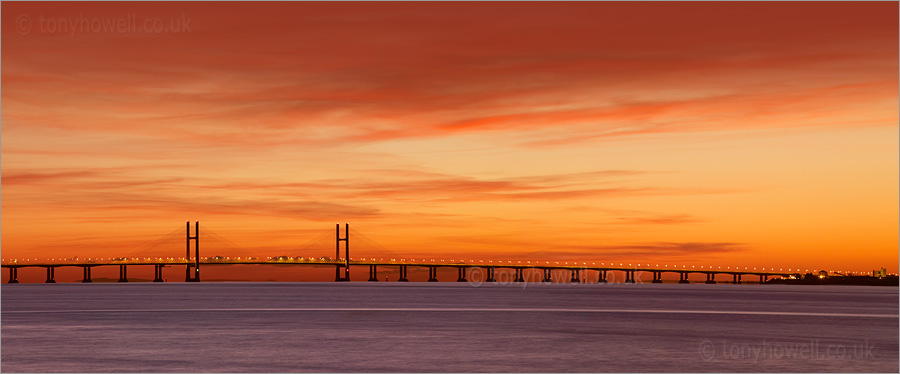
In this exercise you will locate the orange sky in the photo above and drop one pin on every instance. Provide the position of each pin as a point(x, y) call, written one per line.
point(738, 134)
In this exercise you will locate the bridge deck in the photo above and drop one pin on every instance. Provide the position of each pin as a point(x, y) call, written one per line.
point(340, 263)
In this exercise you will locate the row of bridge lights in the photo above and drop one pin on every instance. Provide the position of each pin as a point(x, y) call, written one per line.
point(88, 259)
point(480, 261)
point(602, 263)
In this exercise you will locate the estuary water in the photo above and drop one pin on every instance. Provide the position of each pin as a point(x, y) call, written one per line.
point(447, 327)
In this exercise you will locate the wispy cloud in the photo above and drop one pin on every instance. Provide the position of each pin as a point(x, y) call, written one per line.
point(651, 250)
point(674, 219)
point(394, 82)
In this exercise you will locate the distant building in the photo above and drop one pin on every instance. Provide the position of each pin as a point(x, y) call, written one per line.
point(822, 274)
point(879, 273)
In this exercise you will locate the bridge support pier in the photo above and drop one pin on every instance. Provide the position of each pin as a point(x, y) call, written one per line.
point(683, 278)
point(490, 275)
point(462, 275)
point(710, 278)
point(13, 275)
point(575, 277)
point(123, 273)
point(602, 277)
point(157, 273)
point(337, 274)
point(403, 271)
point(629, 276)
point(657, 277)
point(87, 275)
point(547, 277)
point(519, 277)
point(763, 279)
point(373, 273)
point(432, 274)
point(50, 275)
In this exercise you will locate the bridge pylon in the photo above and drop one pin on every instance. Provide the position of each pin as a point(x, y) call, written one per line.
point(187, 256)
point(337, 252)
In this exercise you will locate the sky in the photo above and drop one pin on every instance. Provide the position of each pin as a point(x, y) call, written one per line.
point(720, 134)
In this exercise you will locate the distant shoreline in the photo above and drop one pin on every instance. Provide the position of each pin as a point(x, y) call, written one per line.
point(851, 280)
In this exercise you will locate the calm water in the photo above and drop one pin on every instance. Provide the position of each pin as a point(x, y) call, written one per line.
point(447, 327)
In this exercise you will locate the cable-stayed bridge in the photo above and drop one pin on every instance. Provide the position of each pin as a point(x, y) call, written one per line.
point(160, 254)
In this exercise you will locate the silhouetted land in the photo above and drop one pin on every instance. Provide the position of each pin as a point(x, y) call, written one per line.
point(850, 280)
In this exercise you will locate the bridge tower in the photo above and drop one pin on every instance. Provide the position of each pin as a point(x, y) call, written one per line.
point(337, 252)
point(187, 256)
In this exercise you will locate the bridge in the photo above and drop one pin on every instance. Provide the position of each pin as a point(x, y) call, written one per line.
point(467, 270)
